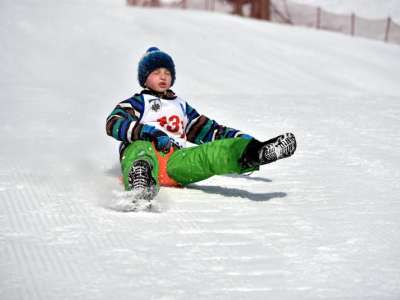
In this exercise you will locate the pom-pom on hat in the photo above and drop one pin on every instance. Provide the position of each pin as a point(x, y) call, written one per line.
point(153, 59)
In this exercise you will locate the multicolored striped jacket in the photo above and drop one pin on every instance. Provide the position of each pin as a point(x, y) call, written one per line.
point(126, 123)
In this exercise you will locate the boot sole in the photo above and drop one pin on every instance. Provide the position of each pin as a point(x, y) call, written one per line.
point(277, 148)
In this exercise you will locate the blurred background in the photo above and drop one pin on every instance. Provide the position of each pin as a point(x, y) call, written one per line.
point(371, 18)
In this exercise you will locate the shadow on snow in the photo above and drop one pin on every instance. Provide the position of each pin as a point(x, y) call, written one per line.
point(248, 177)
point(234, 192)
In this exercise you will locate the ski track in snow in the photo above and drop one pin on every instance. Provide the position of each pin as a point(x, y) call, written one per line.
point(321, 225)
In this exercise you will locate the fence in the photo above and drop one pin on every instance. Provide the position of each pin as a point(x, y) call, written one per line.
point(299, 14)
point(283, 11)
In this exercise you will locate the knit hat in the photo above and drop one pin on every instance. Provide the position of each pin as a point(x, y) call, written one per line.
point(153, 59)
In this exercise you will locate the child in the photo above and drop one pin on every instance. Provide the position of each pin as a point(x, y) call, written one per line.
point(155, 124)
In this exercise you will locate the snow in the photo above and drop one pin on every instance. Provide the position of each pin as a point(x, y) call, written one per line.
point(321, 225)
point(375, 9)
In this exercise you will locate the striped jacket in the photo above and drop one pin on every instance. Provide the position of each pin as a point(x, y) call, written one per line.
point(124, 123)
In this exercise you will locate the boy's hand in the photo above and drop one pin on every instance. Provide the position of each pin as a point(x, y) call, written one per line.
point(162, 141)
point(246, 136)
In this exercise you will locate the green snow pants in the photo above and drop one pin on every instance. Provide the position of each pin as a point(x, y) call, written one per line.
point(189, 165)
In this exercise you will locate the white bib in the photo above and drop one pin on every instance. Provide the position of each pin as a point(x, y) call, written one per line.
point(166, 115)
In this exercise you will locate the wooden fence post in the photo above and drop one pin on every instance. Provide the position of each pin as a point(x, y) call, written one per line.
point(353, 24)
point(318, 23)
point(389, 21)
point(259, 9)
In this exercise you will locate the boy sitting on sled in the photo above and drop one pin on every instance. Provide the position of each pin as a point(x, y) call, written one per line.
point(155, 124)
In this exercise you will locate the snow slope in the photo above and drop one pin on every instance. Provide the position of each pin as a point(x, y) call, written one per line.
point(375, 9)
point(321, 225)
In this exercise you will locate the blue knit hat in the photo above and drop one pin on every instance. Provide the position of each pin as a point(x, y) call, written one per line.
point(153, 59)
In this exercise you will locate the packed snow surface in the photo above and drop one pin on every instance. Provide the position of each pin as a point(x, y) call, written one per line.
point(323, 224)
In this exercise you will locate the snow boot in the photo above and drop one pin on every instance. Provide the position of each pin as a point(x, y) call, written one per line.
point(141, 181)
point(260, 153)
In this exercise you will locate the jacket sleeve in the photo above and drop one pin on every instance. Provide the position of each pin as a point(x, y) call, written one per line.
point(201, 129)
point(123, 122)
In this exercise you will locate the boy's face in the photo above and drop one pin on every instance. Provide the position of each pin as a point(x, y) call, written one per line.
point(159, 80)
